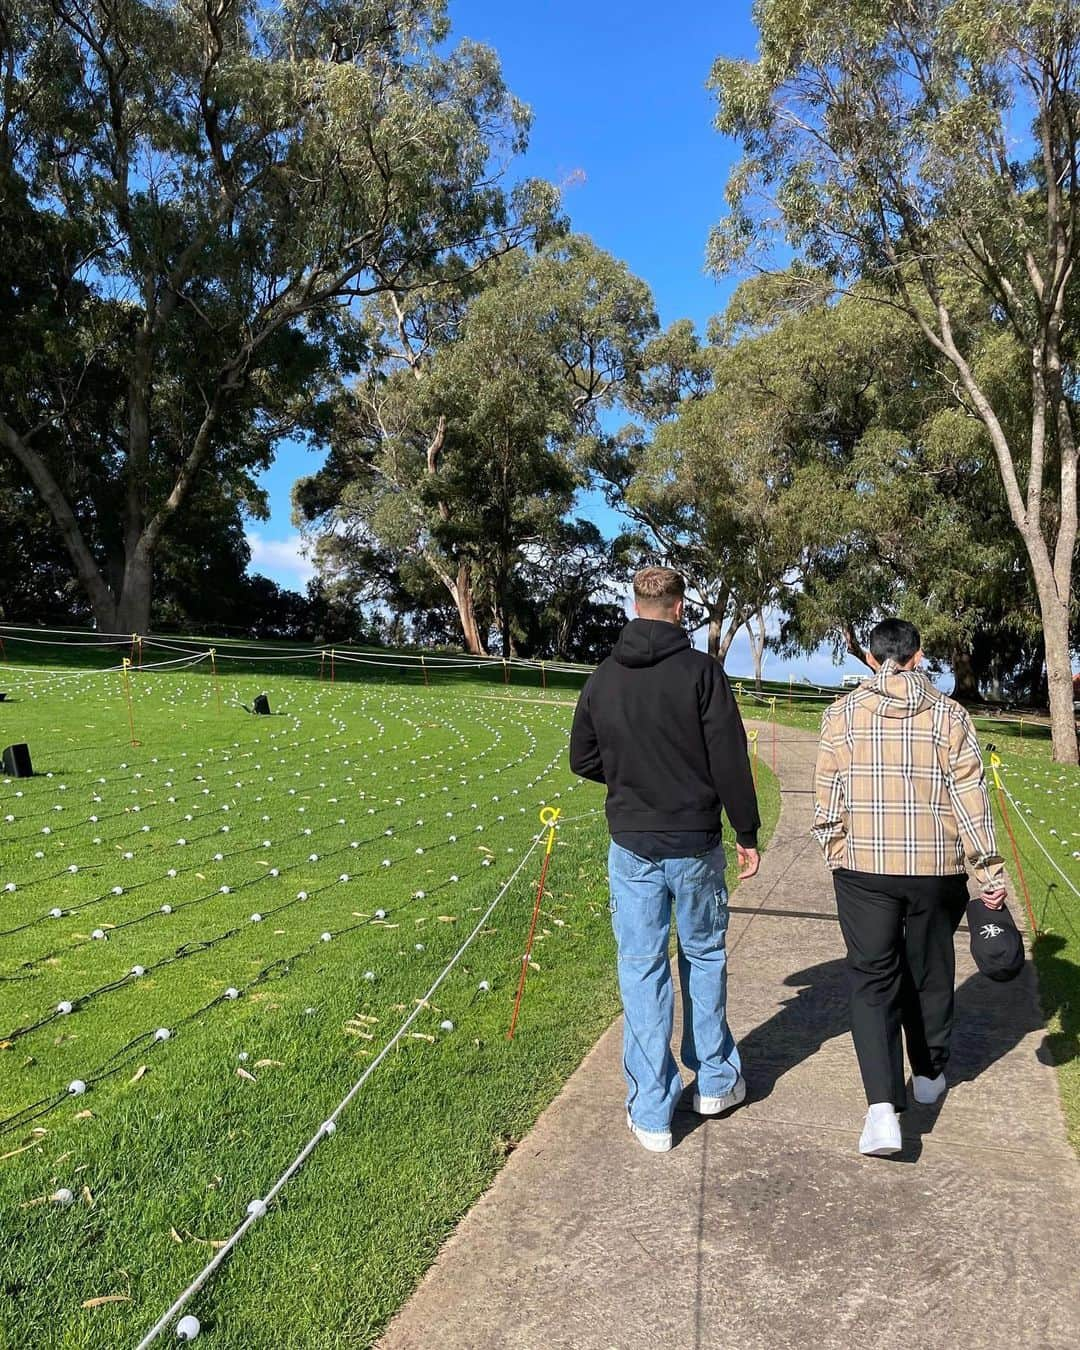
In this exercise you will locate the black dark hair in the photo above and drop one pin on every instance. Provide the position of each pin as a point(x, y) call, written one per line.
point(894, 640)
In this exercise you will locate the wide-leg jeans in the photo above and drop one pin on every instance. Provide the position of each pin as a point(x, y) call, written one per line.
point(642, 895)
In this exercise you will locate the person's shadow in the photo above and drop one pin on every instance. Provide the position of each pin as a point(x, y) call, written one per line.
point(1059, 982)
point(816, 1013)
point(991, 1019)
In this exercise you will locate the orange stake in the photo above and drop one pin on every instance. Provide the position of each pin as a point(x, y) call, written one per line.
point(995, 763)
point(506, 671)
point(322, 665)
point(423, 667)
point(331, 666)
point(752, 736)
point(548, 816)
point(543, 679)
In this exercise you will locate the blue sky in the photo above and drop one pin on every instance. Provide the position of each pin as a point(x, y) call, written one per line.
point(623, 118)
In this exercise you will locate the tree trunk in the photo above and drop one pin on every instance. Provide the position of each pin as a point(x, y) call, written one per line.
point(854, 646)
point(1032, 680)
point(462, 590)
point(724, 645)
point(136, 592)
point(102, 600)
point(757, 646)
point(713, 641)
point(504, 631)
point(1059, 679)
point(965, 681)
point(716, 608)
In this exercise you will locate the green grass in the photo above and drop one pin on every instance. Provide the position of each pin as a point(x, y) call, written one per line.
point(1047, 798)
point(171, 1156)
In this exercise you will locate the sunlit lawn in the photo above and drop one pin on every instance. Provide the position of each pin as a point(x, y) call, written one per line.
point(373, 796)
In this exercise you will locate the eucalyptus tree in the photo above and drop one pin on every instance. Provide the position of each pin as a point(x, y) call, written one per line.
point(457, 446)
point(930, 148)
point(193, 198)
point(738, 475)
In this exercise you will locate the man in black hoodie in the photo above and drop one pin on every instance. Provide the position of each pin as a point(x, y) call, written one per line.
point(657, 723)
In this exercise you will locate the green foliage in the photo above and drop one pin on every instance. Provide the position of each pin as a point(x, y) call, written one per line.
point(194, 198)
point(458, 448)
point(925, 156)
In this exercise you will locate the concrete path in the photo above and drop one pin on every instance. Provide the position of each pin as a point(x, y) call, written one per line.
point(766, 1229)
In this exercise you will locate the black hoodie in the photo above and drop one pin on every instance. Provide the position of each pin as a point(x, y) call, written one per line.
point(658, 724)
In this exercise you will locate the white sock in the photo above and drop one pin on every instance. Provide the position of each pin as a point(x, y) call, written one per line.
point(881, 1111)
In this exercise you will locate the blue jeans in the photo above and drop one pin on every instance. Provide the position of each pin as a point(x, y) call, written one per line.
point(641, 896)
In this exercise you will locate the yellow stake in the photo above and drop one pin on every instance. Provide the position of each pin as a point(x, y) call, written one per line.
point(549, 815)
point(127, 696)
point(995, 764)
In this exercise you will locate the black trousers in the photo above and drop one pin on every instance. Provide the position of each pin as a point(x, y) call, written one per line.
point(901, 967)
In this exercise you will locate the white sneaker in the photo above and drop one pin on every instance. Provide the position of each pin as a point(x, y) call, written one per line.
point(881, 1133)
point(656, 1141)
point(927, 1091)
point(715, 1106)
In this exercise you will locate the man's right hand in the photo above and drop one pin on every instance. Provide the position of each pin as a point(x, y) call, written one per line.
point(993, 897)
point(749, 861)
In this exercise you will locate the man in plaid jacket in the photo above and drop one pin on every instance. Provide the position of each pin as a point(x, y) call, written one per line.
point(901, 811)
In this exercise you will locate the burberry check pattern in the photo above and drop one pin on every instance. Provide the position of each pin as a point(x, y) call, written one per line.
point(900, 788)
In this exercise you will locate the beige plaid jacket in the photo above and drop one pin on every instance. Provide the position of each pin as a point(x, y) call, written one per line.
point(899, 783)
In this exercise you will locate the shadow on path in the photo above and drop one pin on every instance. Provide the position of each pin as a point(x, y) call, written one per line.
point(991, 1020)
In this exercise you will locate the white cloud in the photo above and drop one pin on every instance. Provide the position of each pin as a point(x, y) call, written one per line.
point(282, 560)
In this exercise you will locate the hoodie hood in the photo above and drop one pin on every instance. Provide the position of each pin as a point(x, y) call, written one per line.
point(899, 693)
point(647, 642)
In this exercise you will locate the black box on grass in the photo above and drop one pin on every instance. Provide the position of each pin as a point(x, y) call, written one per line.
point(16, 762)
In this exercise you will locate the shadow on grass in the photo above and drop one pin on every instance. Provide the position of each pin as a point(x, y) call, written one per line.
point(1059, 983)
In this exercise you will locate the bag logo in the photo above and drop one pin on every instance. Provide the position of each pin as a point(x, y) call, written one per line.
point(990, 930)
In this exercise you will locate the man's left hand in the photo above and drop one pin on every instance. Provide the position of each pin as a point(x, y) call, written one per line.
point(749, 862)
point(993, 897)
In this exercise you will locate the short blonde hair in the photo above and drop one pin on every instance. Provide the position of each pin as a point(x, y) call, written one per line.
point(659, 587)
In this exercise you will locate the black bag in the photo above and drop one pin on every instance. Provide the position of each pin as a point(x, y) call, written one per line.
point(996, 945)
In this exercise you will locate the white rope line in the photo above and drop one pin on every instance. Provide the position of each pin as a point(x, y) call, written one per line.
point(398, 661)
point(232, 656)
point(323, 1131)
point(90, 641)
point(585, 815)
point(430, 659)
point(63, 677)
point(193, 660)
point(1049, 858)
point(88, 633)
